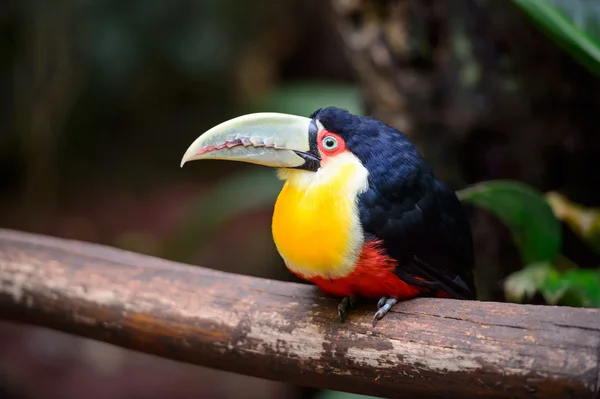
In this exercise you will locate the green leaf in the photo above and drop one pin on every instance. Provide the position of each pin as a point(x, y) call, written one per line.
point(575, 287)
point(552, 286)
point(584, 287)
point(573, 24)
point(524, 284)
point(257, 187)
point(536, 231)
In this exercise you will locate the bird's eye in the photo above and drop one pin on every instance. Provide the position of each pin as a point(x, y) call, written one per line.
point(329, 143)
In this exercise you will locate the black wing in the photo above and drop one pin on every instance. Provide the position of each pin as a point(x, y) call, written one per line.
point(423, 226)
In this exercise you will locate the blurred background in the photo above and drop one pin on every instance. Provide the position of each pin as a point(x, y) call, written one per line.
point(100, 98)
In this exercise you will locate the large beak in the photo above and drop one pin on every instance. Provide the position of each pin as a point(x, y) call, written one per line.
point(271, 139)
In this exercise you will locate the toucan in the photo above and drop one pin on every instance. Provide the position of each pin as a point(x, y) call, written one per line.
point(361, 213)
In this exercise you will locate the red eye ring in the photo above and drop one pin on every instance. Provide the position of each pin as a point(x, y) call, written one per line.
point(330, 143)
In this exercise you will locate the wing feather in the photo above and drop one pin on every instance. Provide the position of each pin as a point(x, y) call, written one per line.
point(425, 228)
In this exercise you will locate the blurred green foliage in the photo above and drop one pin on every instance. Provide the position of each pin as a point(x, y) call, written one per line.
point(534, 222)
point(306, 97)
point(228, 198)
point(536, 231)
point(532, 217)
point(573, 24)
point(574, 287)
point(199, 40)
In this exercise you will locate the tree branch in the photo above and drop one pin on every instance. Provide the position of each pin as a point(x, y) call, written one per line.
point(289, 332)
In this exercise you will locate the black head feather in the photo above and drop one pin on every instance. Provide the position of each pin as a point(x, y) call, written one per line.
point(377, 145)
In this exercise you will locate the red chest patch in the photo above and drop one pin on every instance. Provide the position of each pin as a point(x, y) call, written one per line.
point(373, 277)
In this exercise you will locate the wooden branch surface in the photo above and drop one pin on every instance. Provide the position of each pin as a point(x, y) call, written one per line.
point(290, 332)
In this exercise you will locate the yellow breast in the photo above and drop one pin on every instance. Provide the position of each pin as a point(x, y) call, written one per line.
point(316, 226)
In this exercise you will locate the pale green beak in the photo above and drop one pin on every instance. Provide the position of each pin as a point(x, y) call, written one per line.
point(270, 139)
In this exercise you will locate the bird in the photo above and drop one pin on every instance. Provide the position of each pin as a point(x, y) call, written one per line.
point(361, 214)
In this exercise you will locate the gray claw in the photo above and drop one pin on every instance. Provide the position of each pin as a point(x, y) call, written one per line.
point(383, 309)
point(346, 304)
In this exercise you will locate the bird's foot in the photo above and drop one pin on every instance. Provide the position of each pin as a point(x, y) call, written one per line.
point(348, 303)
point(383, 306)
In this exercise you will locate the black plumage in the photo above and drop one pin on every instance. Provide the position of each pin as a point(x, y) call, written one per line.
point(421, 222)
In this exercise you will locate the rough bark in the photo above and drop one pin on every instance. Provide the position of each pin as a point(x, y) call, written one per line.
point(289, 332)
